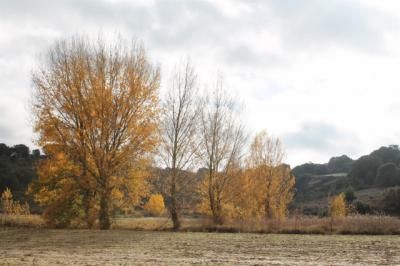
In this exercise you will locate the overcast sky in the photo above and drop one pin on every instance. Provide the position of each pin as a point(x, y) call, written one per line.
point(322, 75)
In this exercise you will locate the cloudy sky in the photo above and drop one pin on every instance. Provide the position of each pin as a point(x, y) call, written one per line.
point(322, 75)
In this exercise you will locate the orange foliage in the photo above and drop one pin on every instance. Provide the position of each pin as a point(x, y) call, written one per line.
point(96, 114)
point(155, 206)
point(10, 206)
point(337, 206)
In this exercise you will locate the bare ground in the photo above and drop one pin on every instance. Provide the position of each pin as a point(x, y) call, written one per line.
point(126, 247)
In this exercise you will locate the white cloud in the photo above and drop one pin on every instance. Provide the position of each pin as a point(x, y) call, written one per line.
point(293, 63)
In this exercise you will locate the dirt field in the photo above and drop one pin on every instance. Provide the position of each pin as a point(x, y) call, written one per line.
point(124, 247)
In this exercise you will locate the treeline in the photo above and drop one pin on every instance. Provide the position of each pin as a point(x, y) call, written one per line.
point(17, 169)
point(378, 169)
point(103, 126)
point(340, 164)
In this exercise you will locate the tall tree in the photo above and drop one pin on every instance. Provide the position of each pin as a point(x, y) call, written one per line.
point(179, 124)
point(97, 103)
point(272, 180)
point(222, 140)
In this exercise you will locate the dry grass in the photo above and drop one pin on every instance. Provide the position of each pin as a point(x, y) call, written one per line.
point(369, 225)
point(29, 220)
point(360, 224)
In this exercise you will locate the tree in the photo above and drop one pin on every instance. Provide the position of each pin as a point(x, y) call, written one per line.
point(22, 150)
point(179, 124)
point(341, 164)
point(363, 171)
point(97, 104)
point(388, 175)
point(221, 143)
point(349, 195)
point(155, 205)
point(337, 206)
point(273, 183)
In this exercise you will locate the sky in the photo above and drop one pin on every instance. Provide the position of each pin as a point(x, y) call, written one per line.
point(324, 76)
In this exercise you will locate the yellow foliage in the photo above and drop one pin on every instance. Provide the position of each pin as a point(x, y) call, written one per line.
point(263, 189)
point(7, 201)
point(155, 206)
point(10, 206)
point(96, 115)
point(337, 206)
point(269, 182)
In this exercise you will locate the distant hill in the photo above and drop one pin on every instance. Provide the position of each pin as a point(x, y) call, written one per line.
point(369, 176)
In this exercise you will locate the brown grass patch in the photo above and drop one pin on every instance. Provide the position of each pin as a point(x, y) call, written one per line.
point(359, 224)
point(29, 220)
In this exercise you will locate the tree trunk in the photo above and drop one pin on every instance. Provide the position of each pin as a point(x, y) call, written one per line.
point(104, 213)
point(88, 208)
point(218, 219)
point(267, 210)
point(174, 209)
point(175, 216)
point(217, 216)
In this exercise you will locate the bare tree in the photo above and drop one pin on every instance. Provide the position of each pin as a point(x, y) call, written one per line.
point(98, 104)
point(179, 123)
point(222, 141)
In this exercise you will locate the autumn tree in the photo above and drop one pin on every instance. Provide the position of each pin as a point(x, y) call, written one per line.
point(179, 122)
point(59, 191)
point(270, 180)
point(337, 206)
point(96, 104)
point(222, 140)
point(155, 205)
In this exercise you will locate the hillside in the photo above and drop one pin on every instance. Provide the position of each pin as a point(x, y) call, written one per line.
point(370, 177)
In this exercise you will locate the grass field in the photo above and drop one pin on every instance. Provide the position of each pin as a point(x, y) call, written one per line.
point(126, 247)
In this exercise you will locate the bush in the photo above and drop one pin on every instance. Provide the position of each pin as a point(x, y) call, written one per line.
point(9, 206)
point(349, 195)
point(363, 208)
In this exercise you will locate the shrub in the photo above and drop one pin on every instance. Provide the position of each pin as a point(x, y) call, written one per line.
point(363, 208)
point(349, 195)
point(9, 206)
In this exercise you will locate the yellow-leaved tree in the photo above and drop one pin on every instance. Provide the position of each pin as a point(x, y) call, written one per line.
point(337, 206)
point(270, 184)
point(95, 107)
point(155, 205)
